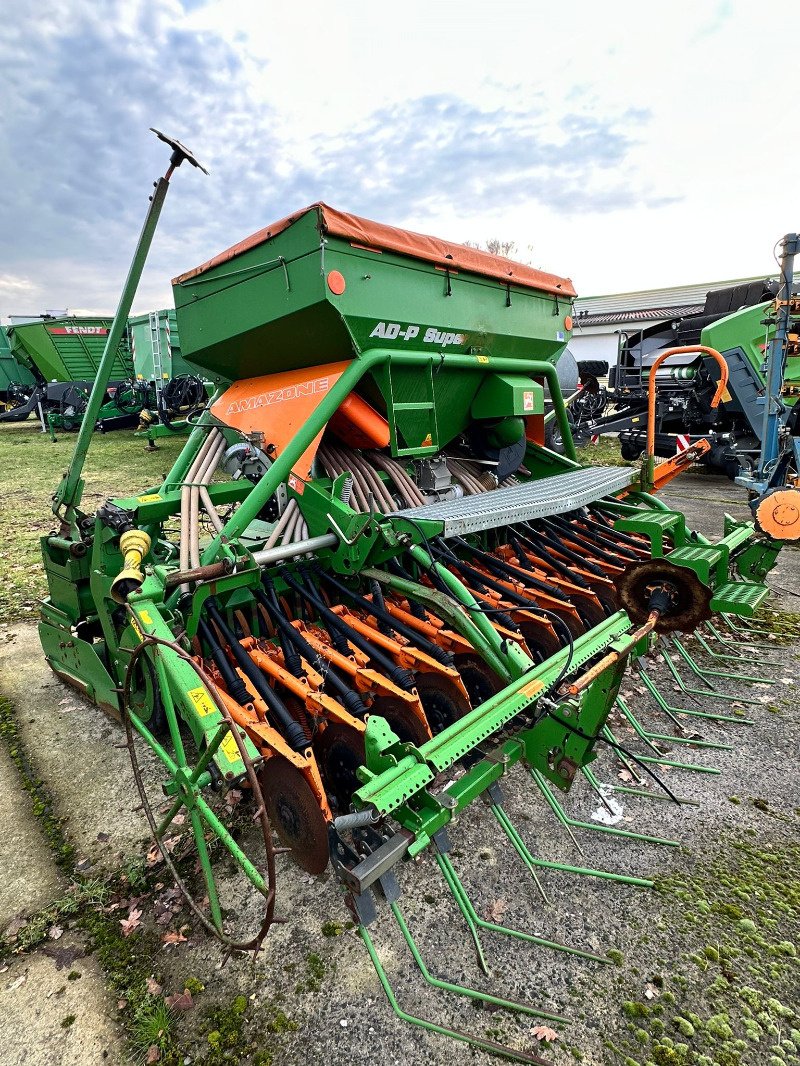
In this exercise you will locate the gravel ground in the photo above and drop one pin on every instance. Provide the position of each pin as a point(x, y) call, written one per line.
point(723, 917)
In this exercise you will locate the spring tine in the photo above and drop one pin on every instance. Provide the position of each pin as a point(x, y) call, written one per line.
point(465, 990)
point(423, 1023)
point(466, 913)
point(731, 658)
point(695, 667)
point(745, 628)
point(530, 860)
point(452, 877)
point(662, 760)
point(595, 827)
point(649, 737)
point(715, 695)
point(670, 710)
point(644, 793)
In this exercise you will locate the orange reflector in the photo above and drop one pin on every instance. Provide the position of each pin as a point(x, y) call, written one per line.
point(568, 322)
point(336, 283)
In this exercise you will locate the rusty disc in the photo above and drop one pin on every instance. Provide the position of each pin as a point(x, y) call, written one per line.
point(480, 681)
point(294, 813)
point(401, 719)
point(339, 751)
point(777, 514)
point(690, 598)
point(442, 700)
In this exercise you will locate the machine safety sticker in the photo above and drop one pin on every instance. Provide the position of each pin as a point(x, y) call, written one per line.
point(230, 748)
point(527, 401)
point(152, 497)
point(203, 703)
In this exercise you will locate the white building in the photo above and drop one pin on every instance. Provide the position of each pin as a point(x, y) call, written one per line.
point(599, 320)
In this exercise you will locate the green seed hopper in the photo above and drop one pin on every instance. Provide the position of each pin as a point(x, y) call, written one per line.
point(366, 594)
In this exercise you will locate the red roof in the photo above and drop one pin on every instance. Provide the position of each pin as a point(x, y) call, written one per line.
point(376, 235)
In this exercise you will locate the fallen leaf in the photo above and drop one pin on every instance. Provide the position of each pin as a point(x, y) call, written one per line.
point(651, 991)
point(12, 985)
point(173, 938)
point(170, 843)
point(496, 910)
point(153, 1055)
point(63, 957)
point(131, 922)
point(153, 987)
point(545, 1033)
point(14, 927)
point(55, 931)
point(122, 1004)
point(233, 797)
point(154, 856)
point(180, 1001)
point(625, 775)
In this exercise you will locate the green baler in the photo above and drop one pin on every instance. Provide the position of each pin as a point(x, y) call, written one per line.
point(366, 590)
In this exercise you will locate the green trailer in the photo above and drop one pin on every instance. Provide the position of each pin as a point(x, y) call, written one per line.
point(172, 388)
point(67, 348)
point(15, 378)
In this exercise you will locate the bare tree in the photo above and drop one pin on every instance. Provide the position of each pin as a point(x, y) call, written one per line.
point(509, 249)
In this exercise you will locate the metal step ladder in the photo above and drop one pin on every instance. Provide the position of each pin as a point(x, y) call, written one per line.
point(155, 346)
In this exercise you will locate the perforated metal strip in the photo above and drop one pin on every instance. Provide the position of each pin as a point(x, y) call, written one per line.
point(518, 503)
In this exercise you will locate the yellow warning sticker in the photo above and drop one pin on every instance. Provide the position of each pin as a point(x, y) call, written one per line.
point(427, 442)
point(482, 358)
point(144, 616)
point(136, 628)
point(726, 396)
point(203, 703)
point(152, 497)
point(230, 748)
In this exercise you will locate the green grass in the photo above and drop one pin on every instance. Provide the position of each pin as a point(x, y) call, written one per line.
point(118, 464)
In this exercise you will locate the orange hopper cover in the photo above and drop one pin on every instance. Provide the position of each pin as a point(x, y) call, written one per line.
point(377, 236)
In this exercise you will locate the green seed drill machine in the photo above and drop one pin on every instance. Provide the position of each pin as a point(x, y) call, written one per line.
point(366, 591)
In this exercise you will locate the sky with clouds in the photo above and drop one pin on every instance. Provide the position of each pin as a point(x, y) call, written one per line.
point(624, 144)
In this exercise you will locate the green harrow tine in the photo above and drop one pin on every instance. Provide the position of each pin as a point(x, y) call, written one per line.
point(748, 629)
point(644, 793)
point(530, 860)
point(671, 711)
point(466, 1038)
point(660, 760)
point(731, 658)
point(715, 695)
point(467, 908)
point(464, 990)
point(648, 737)
point(702, 672)
point(611, 830)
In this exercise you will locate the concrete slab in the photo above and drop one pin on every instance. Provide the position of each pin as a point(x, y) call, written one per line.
point(72, 746)
point(51, 1019)
point(31, 877)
